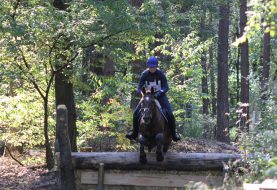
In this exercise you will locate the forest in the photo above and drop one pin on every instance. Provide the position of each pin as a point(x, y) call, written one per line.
point(219, 57)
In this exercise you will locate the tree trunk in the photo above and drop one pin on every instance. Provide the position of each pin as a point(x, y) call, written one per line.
point(137, 65)
point(137, 68)
point(64, 93)
point(265, 66)
point(49, 153)
point(85, 67)
point(205, 100)
point(211, 62)
point(222, 132)
point(238, 75)
point(238, 55)
point(98, 63)
point(244, 96)
point(205, 92)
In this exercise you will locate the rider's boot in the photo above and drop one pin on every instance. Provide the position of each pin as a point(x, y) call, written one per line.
point(133, 134)
point(172, 125)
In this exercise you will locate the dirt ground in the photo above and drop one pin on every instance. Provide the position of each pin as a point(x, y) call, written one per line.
point(17, 177)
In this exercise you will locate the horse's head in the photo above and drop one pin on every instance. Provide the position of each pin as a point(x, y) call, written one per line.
point(148, 106)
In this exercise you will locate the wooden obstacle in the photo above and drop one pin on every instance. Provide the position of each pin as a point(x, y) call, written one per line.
point(122, 170)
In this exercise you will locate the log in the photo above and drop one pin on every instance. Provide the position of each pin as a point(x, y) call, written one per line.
point(173, 161)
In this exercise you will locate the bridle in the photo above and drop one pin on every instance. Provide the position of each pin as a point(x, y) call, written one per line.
point(147, 109)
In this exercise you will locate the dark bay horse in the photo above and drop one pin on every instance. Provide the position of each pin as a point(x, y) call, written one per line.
point(153, 128)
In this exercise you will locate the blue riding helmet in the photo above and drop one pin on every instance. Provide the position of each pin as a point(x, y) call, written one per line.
point(152, 62)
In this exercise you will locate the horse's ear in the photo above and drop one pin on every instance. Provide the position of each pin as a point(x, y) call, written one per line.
point(143, 91)
point(152, 90)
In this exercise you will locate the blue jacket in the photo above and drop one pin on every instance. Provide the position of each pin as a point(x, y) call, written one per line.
point(157, 76)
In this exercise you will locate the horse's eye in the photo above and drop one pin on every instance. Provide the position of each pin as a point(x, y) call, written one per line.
point(152, 106)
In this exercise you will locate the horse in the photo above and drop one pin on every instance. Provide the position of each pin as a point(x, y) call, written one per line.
point(154, 130)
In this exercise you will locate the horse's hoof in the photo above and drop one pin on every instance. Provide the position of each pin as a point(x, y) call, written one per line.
point(143, 160)
point(160, 157)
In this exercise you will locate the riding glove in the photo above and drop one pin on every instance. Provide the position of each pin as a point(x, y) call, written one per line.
point(158, 94)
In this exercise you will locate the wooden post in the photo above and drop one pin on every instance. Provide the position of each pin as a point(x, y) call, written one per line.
point(67, 178)
point(225, 169)
point(100, 185)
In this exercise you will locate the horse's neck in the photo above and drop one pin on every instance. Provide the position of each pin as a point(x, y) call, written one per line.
point(158, 115)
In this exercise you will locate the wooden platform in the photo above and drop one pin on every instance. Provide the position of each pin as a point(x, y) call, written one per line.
point(122, 170)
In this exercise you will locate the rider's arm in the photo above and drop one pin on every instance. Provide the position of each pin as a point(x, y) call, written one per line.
point(141, 82)
point(165, 87)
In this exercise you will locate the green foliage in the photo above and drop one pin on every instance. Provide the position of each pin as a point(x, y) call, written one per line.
point(261, 151)
point(271, 170)
point(21, 121)
point(106, 113)
point(262, 15)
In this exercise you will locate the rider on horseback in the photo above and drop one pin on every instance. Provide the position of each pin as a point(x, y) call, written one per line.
point(153, 77)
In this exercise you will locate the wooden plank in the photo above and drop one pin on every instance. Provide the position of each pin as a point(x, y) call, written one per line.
point(172, 161)
point(149, 179)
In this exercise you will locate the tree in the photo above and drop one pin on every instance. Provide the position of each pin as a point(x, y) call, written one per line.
point(211, 62)
point(34, 43)
point(265, 65)
point(25, 49)
point(222, 131)
point(244, 96)
point(212, 70)
point(64, 92)
point(137, 66)
point(204, 79)
point(205, 91)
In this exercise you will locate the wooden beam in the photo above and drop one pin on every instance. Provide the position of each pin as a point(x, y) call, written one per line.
point(172, 161)
point(149, 178)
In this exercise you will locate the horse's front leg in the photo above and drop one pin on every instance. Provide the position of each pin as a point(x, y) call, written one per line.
point(142, 155)
point(159, 141)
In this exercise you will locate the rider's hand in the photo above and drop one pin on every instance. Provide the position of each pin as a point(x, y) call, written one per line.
point(158, 94)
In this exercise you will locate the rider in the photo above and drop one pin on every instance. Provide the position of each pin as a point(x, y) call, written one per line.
point(153, 77)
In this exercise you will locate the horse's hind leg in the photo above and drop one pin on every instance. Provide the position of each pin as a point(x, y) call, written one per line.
point(159, 141)
point(142, 155)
